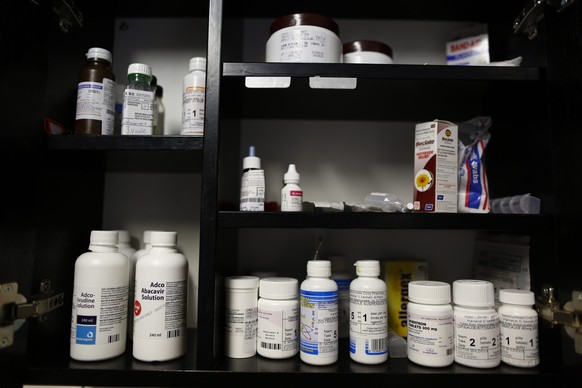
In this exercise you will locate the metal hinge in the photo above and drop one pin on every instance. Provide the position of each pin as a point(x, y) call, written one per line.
point(67, 12)
point(570, 316)
point(527, 21)
point(14, 308)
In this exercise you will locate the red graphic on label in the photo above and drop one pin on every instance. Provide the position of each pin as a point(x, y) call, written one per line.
point(136, 308)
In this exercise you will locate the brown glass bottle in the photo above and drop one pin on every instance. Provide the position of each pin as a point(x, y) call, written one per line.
point(95, 113)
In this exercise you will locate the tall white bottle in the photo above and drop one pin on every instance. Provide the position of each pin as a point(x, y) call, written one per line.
point(368, 314)
point(318, 320)
point(291, 193)
point(161, 301)
point(133, 259)
point(100, 289)
point(194, 97)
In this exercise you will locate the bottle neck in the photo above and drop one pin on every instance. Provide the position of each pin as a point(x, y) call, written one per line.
point(102, 248)
point(139, 78)
point(155, 249)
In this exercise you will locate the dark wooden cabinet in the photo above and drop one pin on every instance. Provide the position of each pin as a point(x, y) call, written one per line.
point(53, 186)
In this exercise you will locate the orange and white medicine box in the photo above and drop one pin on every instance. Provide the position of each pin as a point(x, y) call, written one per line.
point(435, 167)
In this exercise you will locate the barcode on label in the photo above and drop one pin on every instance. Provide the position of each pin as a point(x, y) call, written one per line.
point(113, 338)
point(271, 346)
point(378, 344)
point(173, 333)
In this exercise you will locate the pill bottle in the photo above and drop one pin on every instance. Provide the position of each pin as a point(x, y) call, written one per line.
point(367, 51)
point(430, 323)
point(241, 304)
point(137, 117)
point(477, 336)
point(304, 37)
point(194, 98)
point(278, 317)
point(518, 325)
point(342, 273)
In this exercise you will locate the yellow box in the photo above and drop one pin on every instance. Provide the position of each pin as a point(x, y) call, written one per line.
point(397, 275)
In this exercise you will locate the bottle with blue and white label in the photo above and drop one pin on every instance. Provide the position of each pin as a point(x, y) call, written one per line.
point(100, 289)
point(318, 321)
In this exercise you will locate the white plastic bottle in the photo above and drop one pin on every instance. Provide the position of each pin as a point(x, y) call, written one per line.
point(430, 319)
point(343, 277)
point(133, 259)
point(368, 314)
point(477, 335)
point(124, 244)
point(138, 101)
point(252, 187)
point(278, 317)
point(318, 322)
point(291, 193)
point(241, 305)
point(161, 301)
point(99, 312)
point(194, 98)
point(518, 325)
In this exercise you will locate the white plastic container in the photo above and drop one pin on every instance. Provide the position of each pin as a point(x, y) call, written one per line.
point(519, 328)
point(477, 336)
point(304, 37)
point(241, 304)
point(194, 97)
point(99, 311)
point(252, 185)
point(291, 193)
point(278, 317)
point(318, 339)
point(430, 323)
point(368, 314)
point(161, 301)
point(341, 274)
point(367, 51)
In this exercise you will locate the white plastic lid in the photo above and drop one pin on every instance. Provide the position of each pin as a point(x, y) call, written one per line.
point(291, 176)
point(147, 236)
point(318, 268)
point(99, 53)
point(104, 237)
point(123, 236)
point(475, 293)
point(367, 267)
point(515, 296)
point(197, 63)
point(251, 161)
point(278, 288)
point(241, 282)
point(163, 238)
point(140, 68)
point(429, 292)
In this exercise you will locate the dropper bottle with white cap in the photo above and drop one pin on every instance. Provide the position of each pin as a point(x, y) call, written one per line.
point(252, 187)
point(291, 193)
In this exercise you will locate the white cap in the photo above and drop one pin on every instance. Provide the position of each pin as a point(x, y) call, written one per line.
point(278, 288)
point(318, 268)
point(429, 292)
point(124, 236)
point(163, 239)
point(197, 63)
point(140, 68)
point(515, 296)
point(367, 267)
point(147, 236)
point(104, 237)
point(251, 161)
point(241, 282)
point(97, 52)
point(474, 293)
point(291, 176)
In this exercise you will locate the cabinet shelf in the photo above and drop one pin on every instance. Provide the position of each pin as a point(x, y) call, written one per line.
point(120, 142)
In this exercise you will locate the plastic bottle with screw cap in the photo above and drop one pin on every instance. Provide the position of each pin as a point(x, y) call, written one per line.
point(278, 317)
point(100, 289)
point(252, 188)
point(368, 314)
point(477, 335)
point(291, 193)
point(319, 339)
point(518, 326)
point(95, 113)
point(138, 101)
point(341, 274)
point(194, 98)
point(241, 304)
point(430, 323)
point(161, 284)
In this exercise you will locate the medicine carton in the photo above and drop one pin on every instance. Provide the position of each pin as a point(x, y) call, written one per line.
point(435, 167)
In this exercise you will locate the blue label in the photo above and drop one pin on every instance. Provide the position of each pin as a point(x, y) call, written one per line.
point(86, 335)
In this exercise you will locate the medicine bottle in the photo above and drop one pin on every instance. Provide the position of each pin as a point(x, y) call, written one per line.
point(343, 276)
point(138, 101)
point(252, 186)
point(161, 301)
point(278, 317)
point(241, 305)
point(477, 336)
point(291, 193)
point(368, 314)
point(159, 111)
point(430, 323)
point(95, 114)
point(518, 325)
point(194, 98)
point(318, 322)
point(99, 311)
